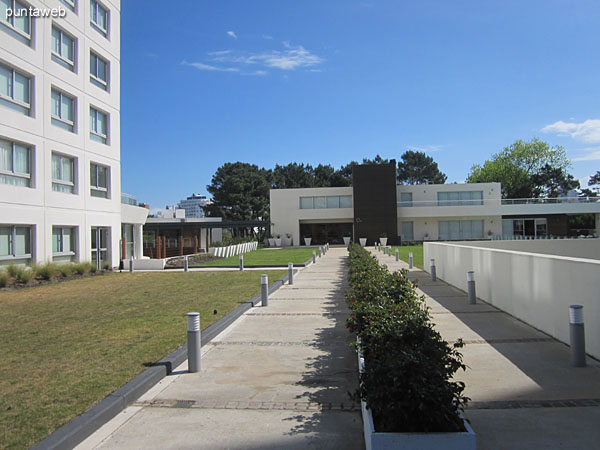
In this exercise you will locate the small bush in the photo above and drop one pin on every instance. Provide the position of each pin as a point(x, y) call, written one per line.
point(92, 267)
point(106, 266)
point(3, 278)
point(45, 272)
point(81, 268)
point(24, 276)
point(13, 270)
point(65, 270)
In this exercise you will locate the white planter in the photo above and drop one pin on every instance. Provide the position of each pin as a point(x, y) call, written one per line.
point(363, 241)
point(383, 241)
point(307, 241)
point(286, 241)
point(464, 440)
point(346, 241)
point(271, 242)
point(277, 242)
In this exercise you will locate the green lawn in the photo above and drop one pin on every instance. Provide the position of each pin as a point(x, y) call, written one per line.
point(417, 254)
point(268, 257)
point(64, 347)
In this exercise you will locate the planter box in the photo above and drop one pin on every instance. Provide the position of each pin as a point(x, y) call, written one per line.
point(277, 242)
point(346, 241)
point(307, 241)
point(383, 241)
point(363, 241)
point(286, 242)
point(271, 242)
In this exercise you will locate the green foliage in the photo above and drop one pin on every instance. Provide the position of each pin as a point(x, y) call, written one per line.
point(92, 268)
point(3, 278)
point(24, 276)
point(418, 168)
point(106, 265)
point(46, 271)
point(517, 166)
point(65, 270)
point(81, 268)
point(13, 270)
point(406, 380)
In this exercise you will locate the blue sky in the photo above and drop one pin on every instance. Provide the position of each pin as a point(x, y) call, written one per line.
point(328, 82)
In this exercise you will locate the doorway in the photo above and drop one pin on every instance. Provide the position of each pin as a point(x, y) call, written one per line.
point(100, 244)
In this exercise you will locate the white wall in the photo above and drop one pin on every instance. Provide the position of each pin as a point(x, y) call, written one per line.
point(586, 248)
point(429, 225)
point(535, 288)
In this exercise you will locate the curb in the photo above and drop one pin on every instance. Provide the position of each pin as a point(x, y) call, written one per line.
point(82, 426)
point(246, 266)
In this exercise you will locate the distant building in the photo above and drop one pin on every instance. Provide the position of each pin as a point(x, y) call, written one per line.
point(194, 206)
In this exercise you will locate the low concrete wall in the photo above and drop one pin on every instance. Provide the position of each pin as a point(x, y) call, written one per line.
point(588, 248)
point(535, 288)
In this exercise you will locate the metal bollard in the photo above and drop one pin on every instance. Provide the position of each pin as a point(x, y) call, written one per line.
point(432, 270)
point(390, 251)
point(186, 266)
point(264, 290)
point(577, 335)
point(410, 260)
point(131, 264)
point(291, 273)
point(319, 252)
point(314, 257)
point(241, 262)
point(397, 255)
point(193, 341)
point(471, 287)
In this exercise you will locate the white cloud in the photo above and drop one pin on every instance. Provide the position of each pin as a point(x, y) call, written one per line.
point(588, 131)
point(425, 148)
point(219, 53)
point(266, 36)
point(232, 34)
point(289, 59)
point(208, 67)
point(589, 154)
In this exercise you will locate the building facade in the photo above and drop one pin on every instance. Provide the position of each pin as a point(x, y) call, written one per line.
point(60, 173)
point(194, 205)
point(376, 207)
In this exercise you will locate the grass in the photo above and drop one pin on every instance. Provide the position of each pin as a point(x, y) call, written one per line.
point(65, 346)
point(267, 257)
point(403, 252)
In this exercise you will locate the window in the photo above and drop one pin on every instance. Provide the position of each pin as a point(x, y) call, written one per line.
point(63, 48)
point(460, 229)
point(99, 180)
point(405, 199)
point(320, 202)
point(15, 89)
point(15, 164)
point(345, 201)
point(465, 198)
point(407, 231)
point(63, 173)
point(99, 17)
point(98, 71)
point(18, 24)
point(71, 4)
point(15, 243)
point(98, 126)
point(332, 201)
point(306, 203)
point(100, 246)
point(63, 111)
point(63, 244)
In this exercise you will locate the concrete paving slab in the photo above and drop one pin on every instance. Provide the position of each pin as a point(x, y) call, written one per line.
point(458, 305)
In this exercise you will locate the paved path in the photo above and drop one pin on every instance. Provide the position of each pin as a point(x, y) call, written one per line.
point(524, 392)
point(278, 378)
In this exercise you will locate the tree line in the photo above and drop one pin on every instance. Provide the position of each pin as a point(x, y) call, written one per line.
point(533, 169)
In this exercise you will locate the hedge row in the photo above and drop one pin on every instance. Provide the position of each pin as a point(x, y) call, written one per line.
point(408, 366)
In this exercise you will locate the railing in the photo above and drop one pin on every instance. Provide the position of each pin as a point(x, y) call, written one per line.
point(129, 199)
point(497, 202)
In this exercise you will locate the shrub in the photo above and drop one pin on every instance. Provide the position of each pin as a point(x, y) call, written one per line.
point(92, 267)
point(13, 270)
point(24, 276)
point(65, 270)
point(81, 268)
point(45, 272)
point(3, 278)
point(408, 366)
point(106, 266)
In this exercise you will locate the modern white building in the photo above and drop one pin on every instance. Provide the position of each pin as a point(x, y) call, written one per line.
point(60, 174)
point(194, 205)
point(376, 207)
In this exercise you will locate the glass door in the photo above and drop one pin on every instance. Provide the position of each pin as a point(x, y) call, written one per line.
point(100, 253)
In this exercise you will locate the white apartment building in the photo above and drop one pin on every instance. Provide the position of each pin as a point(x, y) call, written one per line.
point(194, 205)
point(376, 207)
point(60, 174)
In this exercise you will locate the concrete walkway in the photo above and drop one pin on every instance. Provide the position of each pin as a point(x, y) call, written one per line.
point(524, 392)
point(278, 378)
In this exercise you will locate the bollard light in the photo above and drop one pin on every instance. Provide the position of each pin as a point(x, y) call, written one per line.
point(471, 287)
point(314, 257)
point(186, 266)
point(291, 273)
point(397, 255)
point(193, 341)
point(241, 262)
point(264, 290)
point(432, 270)
point(131, 264)
point(410, 260)
point(577, 335)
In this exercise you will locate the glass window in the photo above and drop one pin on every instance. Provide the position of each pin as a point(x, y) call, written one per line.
point(541, 227)
point(320, 202)
point(15, 90)
point(98, 71)
point(306, 203)
point(63, 48)
point(19, 25)
point(407, 231)
point(405, 199)
point(333, 202)
point(460, 229)
point(15, 242)
point(464, 198)
point(71, 4)
point(345, 201)
point(15, 164)
point(476, 229)
point(63, 244)
point(63, 110)
point(99, 180)
point(98, 126)
point(63, 174)
point(99, 17)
